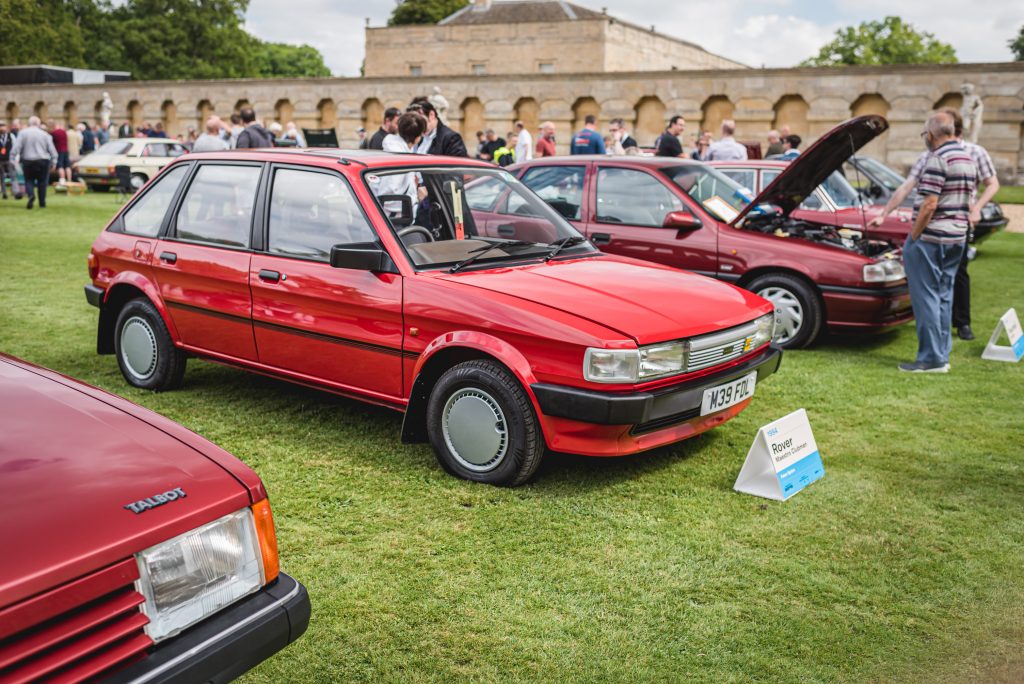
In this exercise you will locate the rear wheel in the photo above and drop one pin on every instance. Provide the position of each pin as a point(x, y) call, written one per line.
point(145, 351)
point(482, 425)
point(798, 311)
point(137, 181)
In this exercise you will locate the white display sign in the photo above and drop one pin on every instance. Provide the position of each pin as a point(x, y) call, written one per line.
point(782, 460)
point(1010, 325)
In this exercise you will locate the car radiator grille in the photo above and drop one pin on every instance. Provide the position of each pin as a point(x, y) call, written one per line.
point(76, 631)
point(711, 350)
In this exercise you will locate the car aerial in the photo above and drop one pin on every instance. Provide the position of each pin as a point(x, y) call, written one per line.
point(833, 203)
point(378, 277)
point(876, 182)
point(689, 215)
point(136, 550)
point(144, 158)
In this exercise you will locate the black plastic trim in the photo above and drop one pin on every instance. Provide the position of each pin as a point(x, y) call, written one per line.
point(868, 291)
point(605, 408)
point(94, 295)
point(230, 643)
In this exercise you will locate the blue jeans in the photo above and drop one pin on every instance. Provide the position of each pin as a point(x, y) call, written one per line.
point(931, 269)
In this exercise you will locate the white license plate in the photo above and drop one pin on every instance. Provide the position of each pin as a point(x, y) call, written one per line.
point(722, 397)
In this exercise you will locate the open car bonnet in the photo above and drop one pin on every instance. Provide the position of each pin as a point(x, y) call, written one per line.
point(814, 164)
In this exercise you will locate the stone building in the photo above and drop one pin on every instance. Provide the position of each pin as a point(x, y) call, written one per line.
point(809, 100)
point(529, 37)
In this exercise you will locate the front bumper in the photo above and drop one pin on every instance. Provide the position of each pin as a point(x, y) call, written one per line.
point(98, 178)
point(227, 644)
point(647, 410)
point(865, 310)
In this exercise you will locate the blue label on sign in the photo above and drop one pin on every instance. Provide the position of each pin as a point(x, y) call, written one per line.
point(800, 474)
point(1018, 348)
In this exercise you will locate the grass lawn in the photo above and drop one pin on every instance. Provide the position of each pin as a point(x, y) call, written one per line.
point(903, 564)
point(1010, 194)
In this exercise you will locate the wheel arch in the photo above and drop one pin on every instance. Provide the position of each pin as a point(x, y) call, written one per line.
point(451, 350)
point(126, 287)
point(755, 273)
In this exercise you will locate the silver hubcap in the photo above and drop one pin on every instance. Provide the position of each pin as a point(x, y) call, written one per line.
point(137, 182)
point(475, 429)
point(138, 348)
point(789, 315)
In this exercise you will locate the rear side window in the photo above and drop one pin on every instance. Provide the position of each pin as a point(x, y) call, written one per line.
point(218, 205)
point(559, 186)
point(311, 212)
point(743, 177)
point(633, 198)
point(146, 215)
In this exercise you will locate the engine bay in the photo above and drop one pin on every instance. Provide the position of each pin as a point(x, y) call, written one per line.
point(844, 238)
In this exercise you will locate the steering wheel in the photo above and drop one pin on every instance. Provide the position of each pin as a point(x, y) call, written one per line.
point(414, 230)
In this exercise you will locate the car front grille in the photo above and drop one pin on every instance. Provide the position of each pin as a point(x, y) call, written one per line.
point(76, 631)
point(711, 350)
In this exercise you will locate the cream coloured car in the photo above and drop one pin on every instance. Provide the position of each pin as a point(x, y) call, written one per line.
point(143, 156)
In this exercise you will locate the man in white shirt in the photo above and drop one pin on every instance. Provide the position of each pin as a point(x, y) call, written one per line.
point(726, 148)
point(524, 145)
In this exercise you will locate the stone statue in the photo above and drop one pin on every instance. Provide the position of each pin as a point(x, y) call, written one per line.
point(440, 104)
point(971, 111)
point(106, 107)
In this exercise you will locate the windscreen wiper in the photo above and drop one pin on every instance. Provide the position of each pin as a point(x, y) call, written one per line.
point(481, 251)
point(558, 245)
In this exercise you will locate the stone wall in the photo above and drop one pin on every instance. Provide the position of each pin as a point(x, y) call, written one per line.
point(810, 100)
point(566, 47)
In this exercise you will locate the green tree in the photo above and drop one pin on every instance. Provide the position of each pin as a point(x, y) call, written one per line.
point(40, 32)
point(424, 11)
point(1017, 45)
point(280, 60)
point(890, 41)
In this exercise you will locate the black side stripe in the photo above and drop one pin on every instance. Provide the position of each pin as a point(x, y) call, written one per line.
point(366, 346)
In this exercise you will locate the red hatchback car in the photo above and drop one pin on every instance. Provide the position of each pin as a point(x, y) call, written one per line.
point(689, 215)
point(134, 549)
point(388, 278)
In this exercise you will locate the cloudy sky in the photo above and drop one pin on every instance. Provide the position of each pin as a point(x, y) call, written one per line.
point(756, 32)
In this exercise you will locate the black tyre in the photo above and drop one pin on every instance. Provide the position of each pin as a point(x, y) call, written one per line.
point(798, 311)
point(144, 349)
point(482, 425)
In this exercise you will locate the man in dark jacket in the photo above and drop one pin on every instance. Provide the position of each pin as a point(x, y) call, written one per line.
point(439, 139)
point(254, 134)
point(7, 169)
point(387, 127)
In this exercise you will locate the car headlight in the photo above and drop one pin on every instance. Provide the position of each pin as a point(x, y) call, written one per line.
point(884, 271)
point(633, 365)
point(192, 576)
point(765, 330)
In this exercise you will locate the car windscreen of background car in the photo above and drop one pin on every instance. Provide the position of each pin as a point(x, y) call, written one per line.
point(719, 195)
point(114, 147)
point(457, 212)
point(882, 173)
point(840, 191)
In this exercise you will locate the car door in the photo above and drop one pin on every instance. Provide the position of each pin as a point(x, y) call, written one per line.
point(202, 264)
point(630, 206)
point(334, 325)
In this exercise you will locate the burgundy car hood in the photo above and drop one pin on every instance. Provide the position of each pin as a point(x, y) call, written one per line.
point(70, 463)
point(814, 164)
point(642, 301)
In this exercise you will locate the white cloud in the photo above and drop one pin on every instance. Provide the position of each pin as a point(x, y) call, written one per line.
point(775, 40)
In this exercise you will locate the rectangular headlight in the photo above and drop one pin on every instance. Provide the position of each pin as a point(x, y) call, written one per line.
point(884, 271)
point(765, 330)
point(611, 365)
point(662, 359)
point(192, 576)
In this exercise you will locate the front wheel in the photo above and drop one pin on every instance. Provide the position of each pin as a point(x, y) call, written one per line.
point(137, 181)
point(482, 425)
point(798, 311)
point(145, 351)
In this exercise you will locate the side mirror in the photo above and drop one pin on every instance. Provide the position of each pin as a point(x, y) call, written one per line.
point(362, 256)
point(681, 220)
point(404, 217)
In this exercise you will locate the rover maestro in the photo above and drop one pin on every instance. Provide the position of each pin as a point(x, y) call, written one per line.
point(379, 277)
point(134, 549)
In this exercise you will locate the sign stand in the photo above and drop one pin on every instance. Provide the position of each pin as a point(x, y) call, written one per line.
point(782, 460)
point(1010, 325)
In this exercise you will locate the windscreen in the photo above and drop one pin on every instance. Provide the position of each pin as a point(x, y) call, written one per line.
point(840, 191)
point(721, 196)
point(446, 215)
point(885, 176)
point(114, 147)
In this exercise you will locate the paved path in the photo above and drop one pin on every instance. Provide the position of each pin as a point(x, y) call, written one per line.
point(1014, 212)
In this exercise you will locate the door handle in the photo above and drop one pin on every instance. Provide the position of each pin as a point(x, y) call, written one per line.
point(600, 238)
point(169, 257)
point(270, 276)
point(506, 230)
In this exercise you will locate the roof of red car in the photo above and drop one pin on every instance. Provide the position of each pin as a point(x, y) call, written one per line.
point(330, 156)
point(760, 163)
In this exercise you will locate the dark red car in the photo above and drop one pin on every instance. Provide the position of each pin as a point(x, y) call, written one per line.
point(389, 278)
point(134, 549)
point(689, 215)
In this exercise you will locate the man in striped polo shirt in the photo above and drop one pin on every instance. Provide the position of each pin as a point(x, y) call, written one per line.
point(937, 241)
